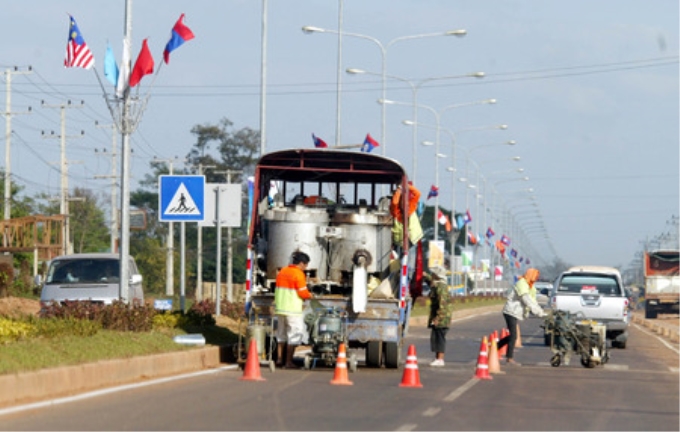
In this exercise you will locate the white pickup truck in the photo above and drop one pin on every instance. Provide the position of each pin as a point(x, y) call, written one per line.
point(595, 293)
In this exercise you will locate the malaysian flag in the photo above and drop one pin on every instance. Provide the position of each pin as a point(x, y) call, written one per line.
point(77, 52)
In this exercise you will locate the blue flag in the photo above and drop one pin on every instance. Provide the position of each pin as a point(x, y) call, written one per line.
point(110, 66)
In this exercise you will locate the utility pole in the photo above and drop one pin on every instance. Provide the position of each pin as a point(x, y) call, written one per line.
point(8, 137)
point(114, 185)
point(63, 207)
point(169, 243)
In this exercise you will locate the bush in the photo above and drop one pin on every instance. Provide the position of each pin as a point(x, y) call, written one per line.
point(116, 316)
point(12, 330)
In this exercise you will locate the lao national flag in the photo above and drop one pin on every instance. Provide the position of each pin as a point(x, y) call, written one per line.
point(180, 34)
point(528, 262)
point(505, 240)
point(513, 253)
point(77, 52)
point(434, 191)
point(143, 65)
point(467, 218)
point(489, 233)
point(318, 142)
point(369, 144)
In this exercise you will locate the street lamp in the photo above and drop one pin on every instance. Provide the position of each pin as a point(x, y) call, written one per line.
point(383, 51)
point(414, 90)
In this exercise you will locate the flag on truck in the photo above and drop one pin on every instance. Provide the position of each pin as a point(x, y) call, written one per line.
point(434, 191)
point(318, 142)
point(369, 144)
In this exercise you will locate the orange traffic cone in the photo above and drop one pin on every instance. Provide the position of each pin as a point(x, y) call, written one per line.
point(494, 362)
point(504, 349)
point(482, 371)
point(251, 371)
point(340, 377)
point(518, 342)
point(411, 377)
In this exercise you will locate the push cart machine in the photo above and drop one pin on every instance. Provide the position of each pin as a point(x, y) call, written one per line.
point(572, 334)
point(259, 327)
point(327, 330)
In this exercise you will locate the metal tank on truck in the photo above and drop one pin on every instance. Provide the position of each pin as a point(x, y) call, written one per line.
point(334, 205)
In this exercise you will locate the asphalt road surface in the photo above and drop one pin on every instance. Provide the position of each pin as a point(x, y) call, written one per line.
point(636, 390)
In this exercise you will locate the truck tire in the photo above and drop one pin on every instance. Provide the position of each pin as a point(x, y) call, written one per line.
point(392, 355)
point(373, 354)
point(650, 312)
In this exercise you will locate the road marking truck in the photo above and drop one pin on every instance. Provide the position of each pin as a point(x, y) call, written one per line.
point(334, 205)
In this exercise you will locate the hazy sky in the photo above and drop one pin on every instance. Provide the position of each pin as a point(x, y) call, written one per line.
point(588, 89)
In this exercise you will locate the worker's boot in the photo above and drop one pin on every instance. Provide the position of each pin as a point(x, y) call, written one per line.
point(290, 352)
point(280, 352)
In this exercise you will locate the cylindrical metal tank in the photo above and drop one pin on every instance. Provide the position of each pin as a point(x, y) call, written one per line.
point(361, 230)
point(292, 229)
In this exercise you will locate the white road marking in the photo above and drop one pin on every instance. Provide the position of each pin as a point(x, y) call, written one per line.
point(669, 346)
point(110, 390)
point(460, 390)
point(431, 412)
point(407, 427)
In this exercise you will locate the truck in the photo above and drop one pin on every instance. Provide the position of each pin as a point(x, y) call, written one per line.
point(662, 282)
point(335, 205)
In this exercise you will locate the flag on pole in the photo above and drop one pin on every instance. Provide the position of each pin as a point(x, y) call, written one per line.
point(434, 191)
point(369, 144)
point(505, 240)
point(444, 220)
point(143, 65)
point(489, 233)
point(467, 217)
point(180, 33)
point(513, 253)
point(110, 66)
point(124, 73)
point(318, 142)
point(77, 53)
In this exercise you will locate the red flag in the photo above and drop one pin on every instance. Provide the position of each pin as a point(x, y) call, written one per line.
point(417, 281)
point(143, 65)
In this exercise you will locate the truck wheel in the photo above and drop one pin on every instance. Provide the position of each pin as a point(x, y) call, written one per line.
point(391, 355)
point(373, 354)
point(650, 312)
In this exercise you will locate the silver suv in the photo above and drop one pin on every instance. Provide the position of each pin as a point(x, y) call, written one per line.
point(594, 293)
point(89, 277)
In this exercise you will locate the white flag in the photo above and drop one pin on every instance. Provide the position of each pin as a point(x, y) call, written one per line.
point(124, 74)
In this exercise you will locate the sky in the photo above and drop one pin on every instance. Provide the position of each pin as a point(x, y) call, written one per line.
point(588, 91)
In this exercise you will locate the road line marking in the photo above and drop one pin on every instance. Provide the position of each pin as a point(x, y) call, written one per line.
point(431, 412)
point(669, 346)
point(102, 392)
point(460, 390)
point(619, 367)
point(407, 427)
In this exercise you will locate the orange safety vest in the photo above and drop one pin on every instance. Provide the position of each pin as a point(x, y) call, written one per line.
point(396, 204)
point(291, 291)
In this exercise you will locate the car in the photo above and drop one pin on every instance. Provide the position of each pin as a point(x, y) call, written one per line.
point(90, 277)
point(594, 293)
point(543, 290)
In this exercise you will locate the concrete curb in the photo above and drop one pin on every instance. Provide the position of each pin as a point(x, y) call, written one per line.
point(667, 330)
point(28, 387)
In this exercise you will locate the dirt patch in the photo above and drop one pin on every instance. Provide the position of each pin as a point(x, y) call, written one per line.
point(16, 306)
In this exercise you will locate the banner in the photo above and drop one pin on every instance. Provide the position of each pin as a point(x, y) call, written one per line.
point(485, 268)
point(467, 260)
point(436, 257)
point(498, 273)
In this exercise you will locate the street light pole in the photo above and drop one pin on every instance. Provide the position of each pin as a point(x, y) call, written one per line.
point(383, 52)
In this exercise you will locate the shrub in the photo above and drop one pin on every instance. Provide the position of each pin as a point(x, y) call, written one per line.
point(12, 330)
point(233, 310)
point(116, 316)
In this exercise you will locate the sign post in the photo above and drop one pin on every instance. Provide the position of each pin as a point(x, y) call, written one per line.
point(181, 199)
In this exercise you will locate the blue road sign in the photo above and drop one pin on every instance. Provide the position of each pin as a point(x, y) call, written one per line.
point(181, 198)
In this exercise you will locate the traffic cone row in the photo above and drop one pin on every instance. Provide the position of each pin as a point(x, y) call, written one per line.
point(502, 351)
point(340, 377)
point(494, 362)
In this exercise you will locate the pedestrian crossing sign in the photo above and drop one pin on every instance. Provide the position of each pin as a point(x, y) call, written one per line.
point(181, 198)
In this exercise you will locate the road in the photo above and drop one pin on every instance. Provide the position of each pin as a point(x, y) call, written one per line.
point(637, 390)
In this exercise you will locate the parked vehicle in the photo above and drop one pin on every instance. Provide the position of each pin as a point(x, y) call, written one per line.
point(334, 205)
point(662, 282)
point(89, 277)
point(594, 293)
point(543, 290)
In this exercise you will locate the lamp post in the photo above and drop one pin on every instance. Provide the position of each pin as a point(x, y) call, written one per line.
point(415, 86)
point(383, 50)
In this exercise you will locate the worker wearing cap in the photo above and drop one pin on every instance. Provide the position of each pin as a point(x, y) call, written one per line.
point(521, 300)
point(291, 292)
point(441, 309)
